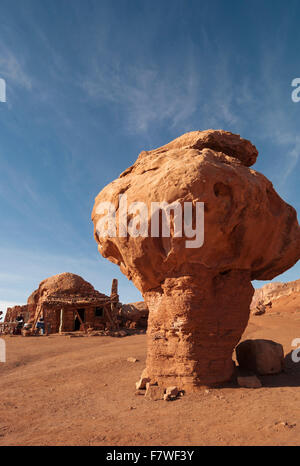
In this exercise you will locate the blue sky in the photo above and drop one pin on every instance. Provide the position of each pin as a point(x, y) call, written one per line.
point(92, 83)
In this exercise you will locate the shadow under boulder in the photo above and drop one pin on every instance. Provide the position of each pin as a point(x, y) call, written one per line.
point(265, 359)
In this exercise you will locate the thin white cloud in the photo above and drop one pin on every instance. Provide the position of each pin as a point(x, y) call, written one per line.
point(148, 94)
point(12, 69)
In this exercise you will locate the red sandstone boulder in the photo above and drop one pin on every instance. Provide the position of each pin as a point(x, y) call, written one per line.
point(171, 393)
point(141, 384)
point(154, 392)
point(260, 356)
point(198, 297)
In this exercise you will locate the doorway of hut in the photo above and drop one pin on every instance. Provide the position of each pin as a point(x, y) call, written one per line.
point(77, 322)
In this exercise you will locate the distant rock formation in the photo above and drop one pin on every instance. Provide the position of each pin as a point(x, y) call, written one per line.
point(273, 291)
point(199, 297)
point(13, 312)
point(135, 315)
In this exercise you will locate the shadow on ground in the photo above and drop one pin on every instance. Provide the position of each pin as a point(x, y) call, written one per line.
point(290, 377)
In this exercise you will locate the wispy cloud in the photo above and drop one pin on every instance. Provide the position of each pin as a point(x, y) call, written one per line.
point(12, 68)
point(149, 94)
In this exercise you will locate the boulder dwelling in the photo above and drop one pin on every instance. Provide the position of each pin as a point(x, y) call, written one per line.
point(68, 303)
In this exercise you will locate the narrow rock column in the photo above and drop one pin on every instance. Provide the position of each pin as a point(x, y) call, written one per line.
point(194, 324)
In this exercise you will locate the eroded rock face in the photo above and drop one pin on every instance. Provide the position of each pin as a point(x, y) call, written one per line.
point(273, 291)
point(199, 298)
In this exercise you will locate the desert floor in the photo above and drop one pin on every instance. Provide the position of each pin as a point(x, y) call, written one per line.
point(58, 390)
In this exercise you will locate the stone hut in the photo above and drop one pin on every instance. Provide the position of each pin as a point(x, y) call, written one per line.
point(68, 303)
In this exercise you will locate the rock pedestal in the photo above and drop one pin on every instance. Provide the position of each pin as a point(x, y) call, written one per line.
point(194, 324)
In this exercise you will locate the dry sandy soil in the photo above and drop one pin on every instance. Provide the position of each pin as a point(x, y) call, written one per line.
point(81, 391)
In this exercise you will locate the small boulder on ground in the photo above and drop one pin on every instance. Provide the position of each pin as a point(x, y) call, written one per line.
point(171, 393)
point(154, 392)
point(141, 384)
point(260, 356)
point(131, 359)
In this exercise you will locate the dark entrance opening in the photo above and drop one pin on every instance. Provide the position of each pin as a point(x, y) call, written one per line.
point(77, 323)
point(99, 311)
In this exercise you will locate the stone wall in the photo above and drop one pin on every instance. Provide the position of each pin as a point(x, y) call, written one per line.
point(52, 317)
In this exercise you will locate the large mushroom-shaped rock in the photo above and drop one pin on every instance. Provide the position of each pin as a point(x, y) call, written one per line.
point(198, 293)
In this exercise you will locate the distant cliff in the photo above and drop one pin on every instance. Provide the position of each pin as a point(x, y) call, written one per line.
point(273, 291)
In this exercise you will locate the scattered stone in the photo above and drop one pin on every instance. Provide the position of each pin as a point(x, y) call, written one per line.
point(271, 292)
point(260, 310)
point(94, 334)
point(260, 356)
point(284, 424)
point(171, 393)
point(132, 359)
point(154, 392)
point(250, 381)
point(141, 384)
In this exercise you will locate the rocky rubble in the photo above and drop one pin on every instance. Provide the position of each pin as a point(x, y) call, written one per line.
point(273, 291)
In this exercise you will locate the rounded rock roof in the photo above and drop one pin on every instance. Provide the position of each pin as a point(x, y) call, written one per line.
point(63, 284)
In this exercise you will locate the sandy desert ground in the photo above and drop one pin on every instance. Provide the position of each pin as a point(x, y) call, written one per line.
point(58, 390)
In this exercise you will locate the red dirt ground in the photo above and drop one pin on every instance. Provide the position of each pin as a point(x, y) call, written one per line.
point(58, 390)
